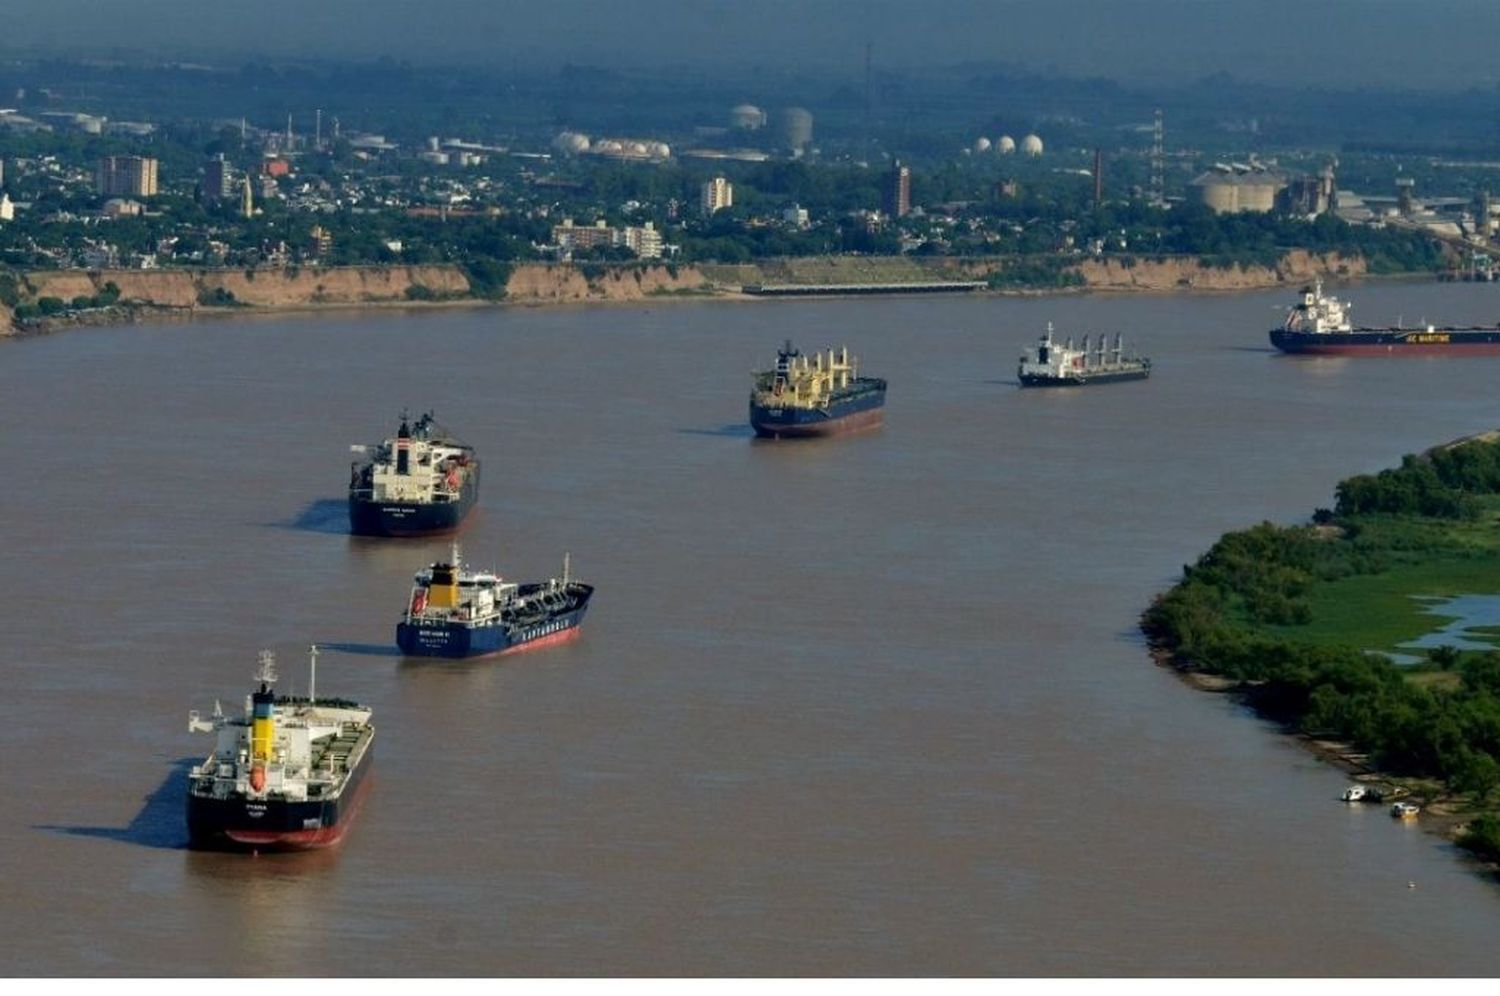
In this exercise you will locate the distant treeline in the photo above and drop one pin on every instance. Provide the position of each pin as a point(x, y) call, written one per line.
point(1230, 613)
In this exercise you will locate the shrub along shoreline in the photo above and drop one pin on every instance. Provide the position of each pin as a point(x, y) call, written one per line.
point(1289, 618)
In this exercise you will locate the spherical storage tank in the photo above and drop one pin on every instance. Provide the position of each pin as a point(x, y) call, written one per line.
point(795, 125)
point(661, 150)
point(571, 142)
point(1006, 145)
point(1031, 145)
point(981, 145)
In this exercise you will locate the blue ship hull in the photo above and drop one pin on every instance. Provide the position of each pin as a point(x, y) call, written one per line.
point(455, 640)
point(861, 408)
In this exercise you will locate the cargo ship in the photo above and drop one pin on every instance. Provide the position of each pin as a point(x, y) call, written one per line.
point(287, 775)
point(1050, 364)
point(822, 395)
point(422, 482)
point(1320, 325)
point(455, 612)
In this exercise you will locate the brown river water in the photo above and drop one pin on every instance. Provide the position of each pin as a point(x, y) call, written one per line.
point(873, 705)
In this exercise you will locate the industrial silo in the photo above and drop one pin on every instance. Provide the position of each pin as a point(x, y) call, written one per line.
point(795, 128)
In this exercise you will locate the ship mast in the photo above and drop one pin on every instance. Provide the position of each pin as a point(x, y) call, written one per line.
point(312, 676)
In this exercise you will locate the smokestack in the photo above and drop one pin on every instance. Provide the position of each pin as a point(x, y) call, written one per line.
point(1098, 179)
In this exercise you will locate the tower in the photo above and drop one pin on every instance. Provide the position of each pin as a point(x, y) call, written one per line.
point(717, 194)
point(1098, 179)
point(218, 179)
point(898, 190)
point(1158, 163)
point(247, 202)
point(869, 95)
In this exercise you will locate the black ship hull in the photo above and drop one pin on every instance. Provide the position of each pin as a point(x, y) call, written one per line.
point(1080, 379)
point(454, 640)
point(368, 517)
point(1391, 342)
point(861, 409)
point(239, 823)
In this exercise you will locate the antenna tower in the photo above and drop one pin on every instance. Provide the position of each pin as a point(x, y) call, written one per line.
point(1158, 163)
point(869, 96)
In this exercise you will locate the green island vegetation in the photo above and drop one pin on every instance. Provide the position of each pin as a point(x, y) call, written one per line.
point(1303, 621)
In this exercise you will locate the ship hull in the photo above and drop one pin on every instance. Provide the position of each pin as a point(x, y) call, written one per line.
point(454, 640)
point(368, 517)
point(865, 411)
point(240, 823)
point(1390, 342)
point(1079, 380)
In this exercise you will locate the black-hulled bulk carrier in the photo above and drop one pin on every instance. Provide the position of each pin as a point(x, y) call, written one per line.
point(286, 775)
point(1320, 325)
point(421, 482)
point(1053, 364)
point(821, 395)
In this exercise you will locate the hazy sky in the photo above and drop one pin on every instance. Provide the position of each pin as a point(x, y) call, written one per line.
point(1395, 43)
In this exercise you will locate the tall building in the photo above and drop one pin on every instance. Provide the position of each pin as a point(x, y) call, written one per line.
point(898, 191)
point(126, 176)
point(644, 241)
point(319, 242)
point(718, 194)
point(218, 179)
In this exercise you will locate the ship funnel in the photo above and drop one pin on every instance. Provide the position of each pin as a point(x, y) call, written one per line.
point(442, 590)
point(263, 710)
point(403, 447)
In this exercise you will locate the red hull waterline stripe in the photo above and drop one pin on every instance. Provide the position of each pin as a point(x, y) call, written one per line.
point(550, 640)
point(835, 427)
point(304, 840)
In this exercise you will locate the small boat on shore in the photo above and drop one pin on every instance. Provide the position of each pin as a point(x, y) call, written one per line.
point(1405, 811)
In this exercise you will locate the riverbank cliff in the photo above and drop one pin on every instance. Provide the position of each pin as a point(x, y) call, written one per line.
point(53, 298)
